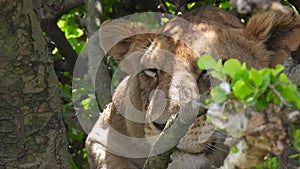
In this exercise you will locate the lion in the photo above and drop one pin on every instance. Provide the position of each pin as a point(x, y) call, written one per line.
point(163, 76)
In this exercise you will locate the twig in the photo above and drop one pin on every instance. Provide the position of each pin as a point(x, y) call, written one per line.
point(58, 37)
point(277, 94)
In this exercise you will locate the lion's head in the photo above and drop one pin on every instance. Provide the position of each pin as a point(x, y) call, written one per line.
point(162, 63)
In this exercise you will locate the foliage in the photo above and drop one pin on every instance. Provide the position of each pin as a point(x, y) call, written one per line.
point(67, 23)
point(272, 163)
point(251, 86)
point(255, 88)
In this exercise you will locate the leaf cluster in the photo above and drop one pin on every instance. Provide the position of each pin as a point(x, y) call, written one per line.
point(68, 24)
point(250, 86)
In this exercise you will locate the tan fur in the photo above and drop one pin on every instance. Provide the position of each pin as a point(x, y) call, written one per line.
point(267, 40)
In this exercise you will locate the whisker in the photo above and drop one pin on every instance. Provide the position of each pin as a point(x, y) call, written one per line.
point(220, 132)
point(209, 146)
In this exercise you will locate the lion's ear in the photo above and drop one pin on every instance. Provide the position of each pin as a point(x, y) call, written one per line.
point(123, 39)
point(278, 31)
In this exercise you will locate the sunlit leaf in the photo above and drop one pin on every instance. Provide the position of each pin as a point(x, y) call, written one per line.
point(260, 103)
point(218, 95)
point(296, 137)
point(206, 62)
point(256, 77)
point(242, 90)
point(234, 149)
point(225, 5)
point(283, 78)
point(232, 66)
point(191, 5)
point(278, 69)
point(218, 72)
point(243, 75)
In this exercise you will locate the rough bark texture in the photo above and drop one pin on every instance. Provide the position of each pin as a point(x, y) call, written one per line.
point(31, 129)
point(48, 12)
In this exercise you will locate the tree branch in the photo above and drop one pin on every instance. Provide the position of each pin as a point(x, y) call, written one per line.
point(176, 128)
point(52, 10)
point(48, 13)
point(62, 44)
point(277, 94)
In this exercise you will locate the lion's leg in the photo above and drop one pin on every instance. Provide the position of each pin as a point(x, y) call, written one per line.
point(100, 158)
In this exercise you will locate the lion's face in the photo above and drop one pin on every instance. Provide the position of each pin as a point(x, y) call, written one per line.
point(162, 64)
point(163, 76)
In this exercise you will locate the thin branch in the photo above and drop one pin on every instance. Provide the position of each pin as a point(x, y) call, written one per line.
point(48, 13)
point(52, 10)
point(62, 44)
point(278, 94)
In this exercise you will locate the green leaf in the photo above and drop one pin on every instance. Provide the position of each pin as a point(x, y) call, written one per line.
point(75, 134)
point(283, 78)
point(269, 95)
point(191, 5)
point(298, 104)
point(234, 149)
point(232, 66)
point(278, 69)
point(295, 156)
point(256, 77)
point(296, 137)
point(225, 5)
point(265, 74)
point(206, 62)
point(271, 163)
point(218, 72)
point(261, 103)
point(288, 93)
point(276, 99)
point(243, 75)
point(171, 7)
point(218, 95)
point(241, 90)
point(244, 66)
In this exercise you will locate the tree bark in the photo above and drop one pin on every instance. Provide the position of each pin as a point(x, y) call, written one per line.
point(48, 13)
point(31, 129)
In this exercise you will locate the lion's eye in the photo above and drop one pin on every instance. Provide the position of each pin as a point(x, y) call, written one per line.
point(151, 73)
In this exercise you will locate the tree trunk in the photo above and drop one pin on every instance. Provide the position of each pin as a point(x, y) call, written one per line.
point(31, 128)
